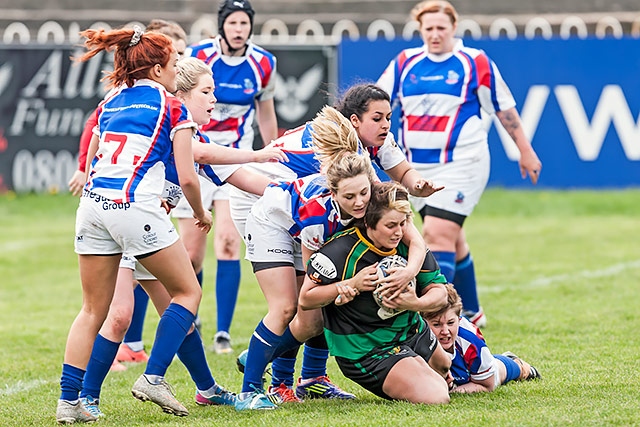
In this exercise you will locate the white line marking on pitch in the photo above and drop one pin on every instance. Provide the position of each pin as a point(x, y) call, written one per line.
point(21, 386)
point(549, 280)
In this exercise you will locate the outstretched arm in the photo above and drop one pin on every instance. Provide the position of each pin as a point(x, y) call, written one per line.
point(412, 180)
point(214, 154)
point(529, 161)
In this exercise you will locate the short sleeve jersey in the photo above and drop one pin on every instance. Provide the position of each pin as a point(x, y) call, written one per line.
point(355, 329)
point(240, 82)
point(297, 144)
point(440, 97)
point(472, 359)
point(304, 207)
point(136, 128)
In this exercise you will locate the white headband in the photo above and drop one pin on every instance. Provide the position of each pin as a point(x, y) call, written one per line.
point(135, 39)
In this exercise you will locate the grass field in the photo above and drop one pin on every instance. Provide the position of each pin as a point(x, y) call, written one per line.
point(558, 278)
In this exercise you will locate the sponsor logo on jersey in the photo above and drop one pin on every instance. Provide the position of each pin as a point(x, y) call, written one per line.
point(248, 86)
point(323, 265)
point(452, 78)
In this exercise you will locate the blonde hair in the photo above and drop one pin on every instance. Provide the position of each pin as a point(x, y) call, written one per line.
point(348, 165)
point(453, 302)
point(189, 70)
point(434, 6)
point(333, 135)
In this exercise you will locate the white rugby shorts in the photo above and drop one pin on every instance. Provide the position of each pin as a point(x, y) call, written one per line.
point(269, 243)
point(139, 272)
point(240, 203)
point(464, 182)
point(104, 227)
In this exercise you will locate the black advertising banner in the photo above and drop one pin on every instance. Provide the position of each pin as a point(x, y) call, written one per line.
point(45, 99)
point(306, 77)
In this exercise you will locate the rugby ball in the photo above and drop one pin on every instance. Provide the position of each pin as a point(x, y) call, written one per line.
point(384, 265)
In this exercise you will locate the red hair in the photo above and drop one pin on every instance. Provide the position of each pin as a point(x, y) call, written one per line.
point(434, 6)
point(130, 63)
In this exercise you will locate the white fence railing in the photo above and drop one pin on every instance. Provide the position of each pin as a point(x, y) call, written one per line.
point(276, 31)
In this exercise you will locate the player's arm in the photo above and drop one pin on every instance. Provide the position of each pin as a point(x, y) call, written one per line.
point(529, 162)
point(249, 181)
point(476, 386)
point(214, 154)
point(318, 291)
point(434, 298)
point(189, 181)
point(267, 121)
point(91, 153)
point(399, 277)
point(412, 180)
point(78, 179)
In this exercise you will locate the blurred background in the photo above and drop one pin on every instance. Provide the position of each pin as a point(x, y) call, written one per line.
point(572, 66)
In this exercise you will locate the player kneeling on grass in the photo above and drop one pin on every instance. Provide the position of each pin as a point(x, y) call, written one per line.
point(395, 356)
point(473, 368)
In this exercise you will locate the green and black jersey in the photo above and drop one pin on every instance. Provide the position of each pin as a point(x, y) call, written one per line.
point(354, 329)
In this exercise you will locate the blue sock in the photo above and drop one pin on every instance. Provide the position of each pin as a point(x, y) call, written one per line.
point(200, 277)
point(261, 347)
point(287, 343)
point(70, 382)
point(513, 370)
point(102, 356)
point(282, 370)
point(172, 329)
point(141, 300)
point(191, 353)
point(465, 283)
point(227, 286)
point(447, 263)
point(314, 358)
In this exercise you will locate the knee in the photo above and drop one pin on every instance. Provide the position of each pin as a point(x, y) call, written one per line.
point(120, 318)
point(227, 246)
point(288, 313)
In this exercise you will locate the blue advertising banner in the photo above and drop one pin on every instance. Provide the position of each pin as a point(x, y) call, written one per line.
point(579, 101)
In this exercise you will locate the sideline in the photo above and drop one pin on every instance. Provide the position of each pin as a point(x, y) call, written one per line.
point(549, 280)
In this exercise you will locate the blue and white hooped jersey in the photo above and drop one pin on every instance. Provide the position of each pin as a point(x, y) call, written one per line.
point(440, 97)
point(472, 359)
point(304, 208)
point(136, 127)
point(297, 144)
point(240, 82)
point(217, 174)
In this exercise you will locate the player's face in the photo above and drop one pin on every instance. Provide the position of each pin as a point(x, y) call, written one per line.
point(437, 32)
point(236, 28)
point(353, 196)
point(374, 127)
point(445, 328)
point(167, 75)
point(180, 46)
point(389, 230)
point(200, 100)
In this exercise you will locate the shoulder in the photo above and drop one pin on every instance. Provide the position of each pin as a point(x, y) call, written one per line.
point(203, 49)
point(473, 53)
point(259, 50)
